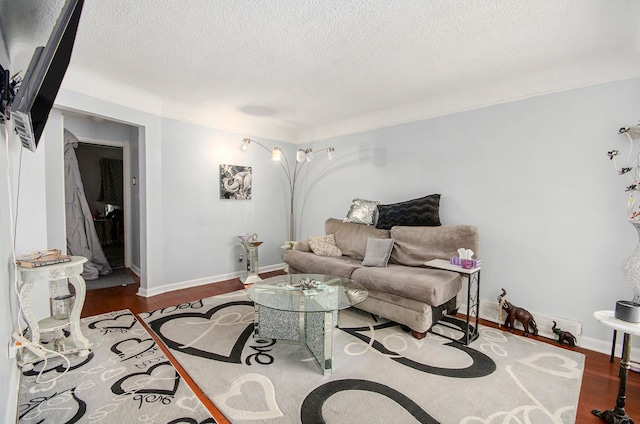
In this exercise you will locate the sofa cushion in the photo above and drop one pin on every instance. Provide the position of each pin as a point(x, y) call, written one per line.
point(429, 285)
point(424, 211)
point(378, 252)
point(302, 245)
point(414, 246)
point(351, 238)
point(309, 263)
point(324, 245)
point(363, 212)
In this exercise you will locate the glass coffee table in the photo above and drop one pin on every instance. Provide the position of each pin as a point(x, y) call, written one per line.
point(284, 310)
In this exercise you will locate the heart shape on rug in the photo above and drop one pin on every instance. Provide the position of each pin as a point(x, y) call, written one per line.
point(562, 365)
point(122, 322)
point(189, 403)
point(112, 373)
point(235, 354)
point(133, 383)
point(65, 401)
point(311, 409)
point(268, 393)
point(55, 366)
point(133, 347)
point(481, 366)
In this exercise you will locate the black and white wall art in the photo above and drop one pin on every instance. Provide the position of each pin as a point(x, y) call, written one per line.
point(235, 182)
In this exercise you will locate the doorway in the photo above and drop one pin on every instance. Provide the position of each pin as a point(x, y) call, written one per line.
point(101, 170)
point(117, 222)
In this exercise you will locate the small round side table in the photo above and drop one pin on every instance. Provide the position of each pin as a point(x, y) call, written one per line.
point(618, 415)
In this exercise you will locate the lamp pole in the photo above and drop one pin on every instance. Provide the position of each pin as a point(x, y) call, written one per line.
point(302, 157)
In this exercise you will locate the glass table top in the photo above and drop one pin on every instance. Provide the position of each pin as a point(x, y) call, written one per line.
point(330, 293)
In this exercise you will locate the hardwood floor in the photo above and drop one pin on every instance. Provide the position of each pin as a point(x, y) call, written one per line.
point(599, 383)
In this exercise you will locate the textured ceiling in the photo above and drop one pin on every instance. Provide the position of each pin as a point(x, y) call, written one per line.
point(302, 70)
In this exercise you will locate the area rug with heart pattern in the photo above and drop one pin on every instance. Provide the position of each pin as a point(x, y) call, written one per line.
point(380, 374)
point(125, 379)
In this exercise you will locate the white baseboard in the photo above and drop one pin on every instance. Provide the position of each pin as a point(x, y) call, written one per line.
point(135, 270)
point(489, 312)
point(201, 281)
point(604, 346)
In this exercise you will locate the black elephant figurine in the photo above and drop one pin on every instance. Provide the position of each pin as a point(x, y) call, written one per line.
point(564, 336)
point(515, 313)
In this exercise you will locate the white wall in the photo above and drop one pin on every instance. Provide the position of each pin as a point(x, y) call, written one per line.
point(8, 303)
point(532, 175)
point(200, 231)
point(187, 233)
point(150, 182)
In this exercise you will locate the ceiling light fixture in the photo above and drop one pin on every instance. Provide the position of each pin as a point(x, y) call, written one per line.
point(302, 157)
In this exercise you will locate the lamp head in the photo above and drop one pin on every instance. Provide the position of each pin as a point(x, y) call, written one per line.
point(245, 143)
point(331, 153)
point(276, 154)
point(300, 155)
point(309, 155)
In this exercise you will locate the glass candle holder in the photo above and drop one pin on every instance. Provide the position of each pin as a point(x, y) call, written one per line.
point(62, 306)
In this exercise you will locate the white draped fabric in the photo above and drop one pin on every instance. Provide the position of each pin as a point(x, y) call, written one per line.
point(82, 239)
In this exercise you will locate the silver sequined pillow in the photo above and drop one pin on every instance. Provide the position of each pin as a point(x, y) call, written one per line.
point(324, 245)
point(363, 212)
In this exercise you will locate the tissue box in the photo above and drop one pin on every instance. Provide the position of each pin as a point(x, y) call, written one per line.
point(465, 263)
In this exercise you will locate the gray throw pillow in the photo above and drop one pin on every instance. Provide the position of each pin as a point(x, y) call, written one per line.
point(422, 212)
point(378, 252)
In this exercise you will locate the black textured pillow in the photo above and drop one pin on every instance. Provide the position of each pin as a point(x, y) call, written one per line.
point(424, 211)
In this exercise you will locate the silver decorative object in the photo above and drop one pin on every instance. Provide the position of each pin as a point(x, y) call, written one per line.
point(627, 311)
point(306, 284)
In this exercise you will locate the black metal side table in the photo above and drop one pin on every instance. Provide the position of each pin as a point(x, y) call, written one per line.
point(472, 276)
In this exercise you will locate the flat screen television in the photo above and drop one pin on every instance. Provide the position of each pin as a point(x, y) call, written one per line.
point(39, 87)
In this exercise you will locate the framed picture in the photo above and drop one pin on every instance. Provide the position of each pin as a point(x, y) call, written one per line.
point(235, 182)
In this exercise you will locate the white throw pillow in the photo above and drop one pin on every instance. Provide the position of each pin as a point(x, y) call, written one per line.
point(324, 245)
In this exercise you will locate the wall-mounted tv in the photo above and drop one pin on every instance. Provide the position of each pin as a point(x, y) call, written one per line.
point(39, 87)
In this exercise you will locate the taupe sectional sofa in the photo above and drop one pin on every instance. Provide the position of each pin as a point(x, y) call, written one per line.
point(404, 291)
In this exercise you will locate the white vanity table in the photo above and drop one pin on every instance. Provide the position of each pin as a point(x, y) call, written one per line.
point(29, 277)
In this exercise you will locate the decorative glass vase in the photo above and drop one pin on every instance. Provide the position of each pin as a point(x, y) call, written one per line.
point(631, 267)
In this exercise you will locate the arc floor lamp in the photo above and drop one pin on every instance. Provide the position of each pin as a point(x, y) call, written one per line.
point(302, 157)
